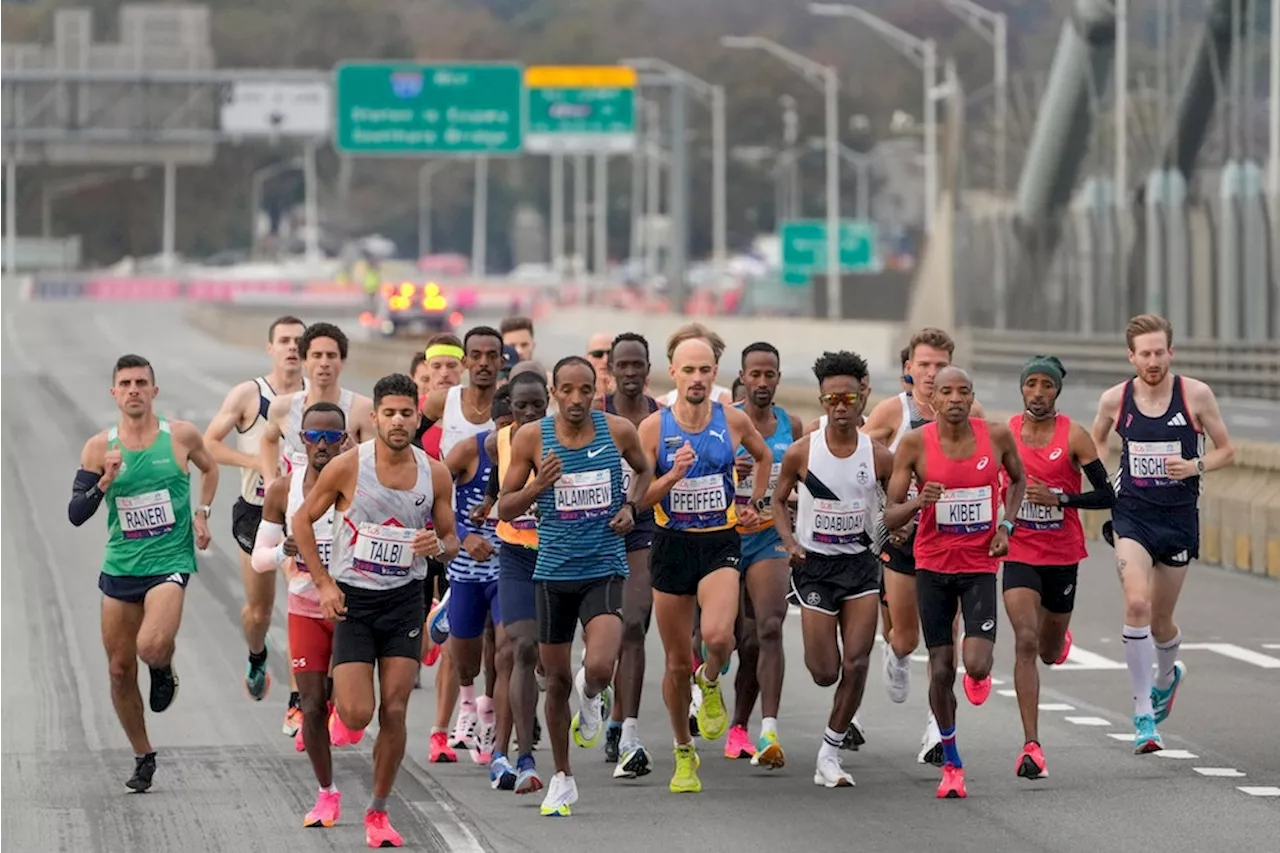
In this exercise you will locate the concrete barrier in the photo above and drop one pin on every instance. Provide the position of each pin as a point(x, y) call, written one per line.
point(1239, 508)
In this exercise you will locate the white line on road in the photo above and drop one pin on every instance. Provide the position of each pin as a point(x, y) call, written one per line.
point(1080, 659)
point(1260, 790)
point(1056, 706)
point(1008, 694)
point(1271, 645)
point(1088, 721)
point(1176, 754)
point(1225, 772)
point(1239, 653)
point(1124, 736)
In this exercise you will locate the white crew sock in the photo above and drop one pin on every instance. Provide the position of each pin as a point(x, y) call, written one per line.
point(767, 725)
point(1140, 655)
point(629, 733)
point(1166, 657)
point(484, 707)
point(831, 741)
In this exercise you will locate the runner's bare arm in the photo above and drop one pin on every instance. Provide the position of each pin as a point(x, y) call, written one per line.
point(91, 481)
point(1108, 411)
point(977, 411)
point(884, 419)
point(234, 412)
point(519, 491)
point(330, 489)
point(897, 509)
point(272, 433)
point(191, 439)
point(797, 426)
point(811, 427)
point(1204, 404)
point(1085, 454)
point(362, 419)
point(750, 438)
point(794, 464)
point(442, 511)
point(268, 544)
point(461, 459)
point(433, 406)
point(884, 462)
point(627, 439)
point(649, 430)
point(1003, 443)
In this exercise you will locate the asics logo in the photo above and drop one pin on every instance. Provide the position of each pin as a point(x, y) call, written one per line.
point(1057, 452)
point(592, 454)
point(1067, 589)
point(414, 633)
point(982, 463)
point(988, 625)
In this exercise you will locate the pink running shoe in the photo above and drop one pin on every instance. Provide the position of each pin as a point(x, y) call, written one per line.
point(1066, 649)
point(326, 811)
point(339, 734)
point(297, 741)
point(378, 831)
point(441, 752)
point(738, 744)
point(977, 691)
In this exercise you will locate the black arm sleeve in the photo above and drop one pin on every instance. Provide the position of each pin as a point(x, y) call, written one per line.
point(1103, 495)
point(85, 497)
point(494, 485)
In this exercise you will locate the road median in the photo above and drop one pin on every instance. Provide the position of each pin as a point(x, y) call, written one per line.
point(1239, 511)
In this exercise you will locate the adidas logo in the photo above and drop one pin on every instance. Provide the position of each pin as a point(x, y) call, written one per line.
point(1177, 420)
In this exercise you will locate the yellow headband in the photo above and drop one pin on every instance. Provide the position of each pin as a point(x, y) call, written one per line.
point(437, 350)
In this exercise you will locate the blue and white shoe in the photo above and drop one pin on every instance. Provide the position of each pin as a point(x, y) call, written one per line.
point(502, 776)
point(1146, 739)
point(527, 778)
point(1162, 700)
point(438, 621)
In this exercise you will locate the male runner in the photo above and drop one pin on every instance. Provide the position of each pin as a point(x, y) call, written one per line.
point(140, 466)
point(629, 364)
point(324, 430)
point(517, 640)
point(765, 561)
point(836, 576)
point(958, 547)
point(599, 345)
point(719, 393)
point(394, 507)
point(437, 366)
point(928, 351)
point(465, 411)
point(1162, 419)
point(518, 332)
point(245, 410)
point(583, 519)
point(696, 557)
point(1040, 571)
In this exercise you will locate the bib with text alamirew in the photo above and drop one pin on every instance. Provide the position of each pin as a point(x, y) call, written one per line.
point(1149, 462)
point(584, 495)
point(383, 549)
point(145, 516)
point(838, 522)
point(961, 511)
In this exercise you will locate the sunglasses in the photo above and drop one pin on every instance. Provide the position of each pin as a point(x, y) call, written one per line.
point(847, 397)
point(328, 436)
point(597, 353)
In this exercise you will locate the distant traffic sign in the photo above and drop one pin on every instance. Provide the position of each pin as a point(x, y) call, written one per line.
point(254, 108)
point(580, 108)
point(804, 249)
point(409, 108)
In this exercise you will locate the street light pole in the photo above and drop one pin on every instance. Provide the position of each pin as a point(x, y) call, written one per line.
point(994, 28)
point(823, 78)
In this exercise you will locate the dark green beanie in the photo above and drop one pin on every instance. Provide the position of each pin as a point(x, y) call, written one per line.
point(1048, 365)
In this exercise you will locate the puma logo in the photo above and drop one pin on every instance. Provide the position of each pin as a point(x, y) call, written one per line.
point(592, 454)
point(719, 435)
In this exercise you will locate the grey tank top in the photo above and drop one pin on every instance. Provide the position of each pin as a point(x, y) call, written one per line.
point(371, 539)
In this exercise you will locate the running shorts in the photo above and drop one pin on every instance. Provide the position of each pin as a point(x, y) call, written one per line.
point(470, 605)
point(245, 518)
point(1171, 535)
point(310, 643)
point(517, 597)
point(133, 589)
point(382, 623)
point(762, 545)
point(1055, 584)
point(680, 559)
point(563, 605)
point(825, 581)
point(938, 595)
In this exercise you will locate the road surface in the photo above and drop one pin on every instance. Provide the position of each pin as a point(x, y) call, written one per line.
point(228, 780)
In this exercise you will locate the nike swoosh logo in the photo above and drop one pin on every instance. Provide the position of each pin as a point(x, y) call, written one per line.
point(592, 454)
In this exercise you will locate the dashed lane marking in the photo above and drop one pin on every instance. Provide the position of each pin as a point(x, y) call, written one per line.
point(1056, 706)
point(1225, 772)
point(1087, 721)
point(1239, 653)
point(1176, 754)
point(1259, 790)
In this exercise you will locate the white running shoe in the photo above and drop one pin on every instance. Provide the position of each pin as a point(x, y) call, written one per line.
point(486, 737)
point(897, 676)
point(633, 763)
point(465, 730)
point(930, 744)
point(829, 773)
point(587, 722)
point(561, 794)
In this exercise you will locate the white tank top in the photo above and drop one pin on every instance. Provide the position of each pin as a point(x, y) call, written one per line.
point(719, 393)
point(304, 599)
point(842, 521)
point(372, 549)
point(454, 426)
point(905, 426)
point(291, 448)
point(247, 441)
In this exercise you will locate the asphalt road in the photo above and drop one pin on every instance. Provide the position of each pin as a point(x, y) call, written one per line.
point(228, 779)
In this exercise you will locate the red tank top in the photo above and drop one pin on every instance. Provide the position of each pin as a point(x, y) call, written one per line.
point(1048, 536)
point(431, 440)
point(955, 534)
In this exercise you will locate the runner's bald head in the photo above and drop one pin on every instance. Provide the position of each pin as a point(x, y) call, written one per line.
point(952, 374)
point(697, 349)
point(526, 367)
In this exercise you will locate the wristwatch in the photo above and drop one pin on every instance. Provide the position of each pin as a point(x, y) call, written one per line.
point(761, 505)
point(205, 508)
point(635, 510)
point(1008, 526)
point(1199, 465)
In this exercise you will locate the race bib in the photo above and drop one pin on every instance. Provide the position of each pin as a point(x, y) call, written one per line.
point(961, 511)
point(627, 475)
point(696, 496)
point(145, 516)
point(1149, 462)
point(839, 522)
point(324, 546)
point(584, 495)
point(383, 549)
point(1038, 517)
point(747, 485)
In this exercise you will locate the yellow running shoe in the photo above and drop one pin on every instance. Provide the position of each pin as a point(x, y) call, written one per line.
point(713, 720)
point(685, 780)
point(768, 752)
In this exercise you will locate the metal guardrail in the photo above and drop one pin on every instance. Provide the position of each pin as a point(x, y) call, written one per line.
point(1250, 370)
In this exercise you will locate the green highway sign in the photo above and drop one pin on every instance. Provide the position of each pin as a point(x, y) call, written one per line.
point(580, 108)
point(408, 108)
point(804, 249)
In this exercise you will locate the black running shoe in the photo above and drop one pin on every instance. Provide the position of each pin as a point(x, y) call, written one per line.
point(164, 688)
point(854, 738)
point(143, 769)
point(612, 743)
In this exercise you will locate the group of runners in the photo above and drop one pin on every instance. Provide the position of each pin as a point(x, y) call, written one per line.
point(477, 526)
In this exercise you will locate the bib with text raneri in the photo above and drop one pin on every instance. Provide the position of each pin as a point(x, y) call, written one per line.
point(146, 516)
point(960, 511)
point(838, 522)
point(383, 549)
point(1149, 462)
point(584, 495)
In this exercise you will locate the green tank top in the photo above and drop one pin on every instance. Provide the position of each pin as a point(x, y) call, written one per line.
point(149, 511)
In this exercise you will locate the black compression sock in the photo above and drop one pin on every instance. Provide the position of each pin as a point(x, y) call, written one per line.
point(258, 658)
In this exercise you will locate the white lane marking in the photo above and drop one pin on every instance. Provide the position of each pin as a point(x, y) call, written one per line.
point(1056, 706)
point(455, 833)
point(1271, 645)
point(19, 349)
point(1259, 790)
point(1240, 653)
point(1008, 694)
point(1081, 660)
point(1225, 772)
point(1120, 736)
point(1176, 754)
point(1087, 721)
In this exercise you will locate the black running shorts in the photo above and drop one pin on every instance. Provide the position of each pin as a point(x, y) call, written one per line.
point(133, 589)
point(245, 518)
point(563, 605)
point(1171, 535)
point(939, 594)
point(380, 623)
point(680, 560)
point(901, 560)
point(1056, 584)
point(824, 582)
